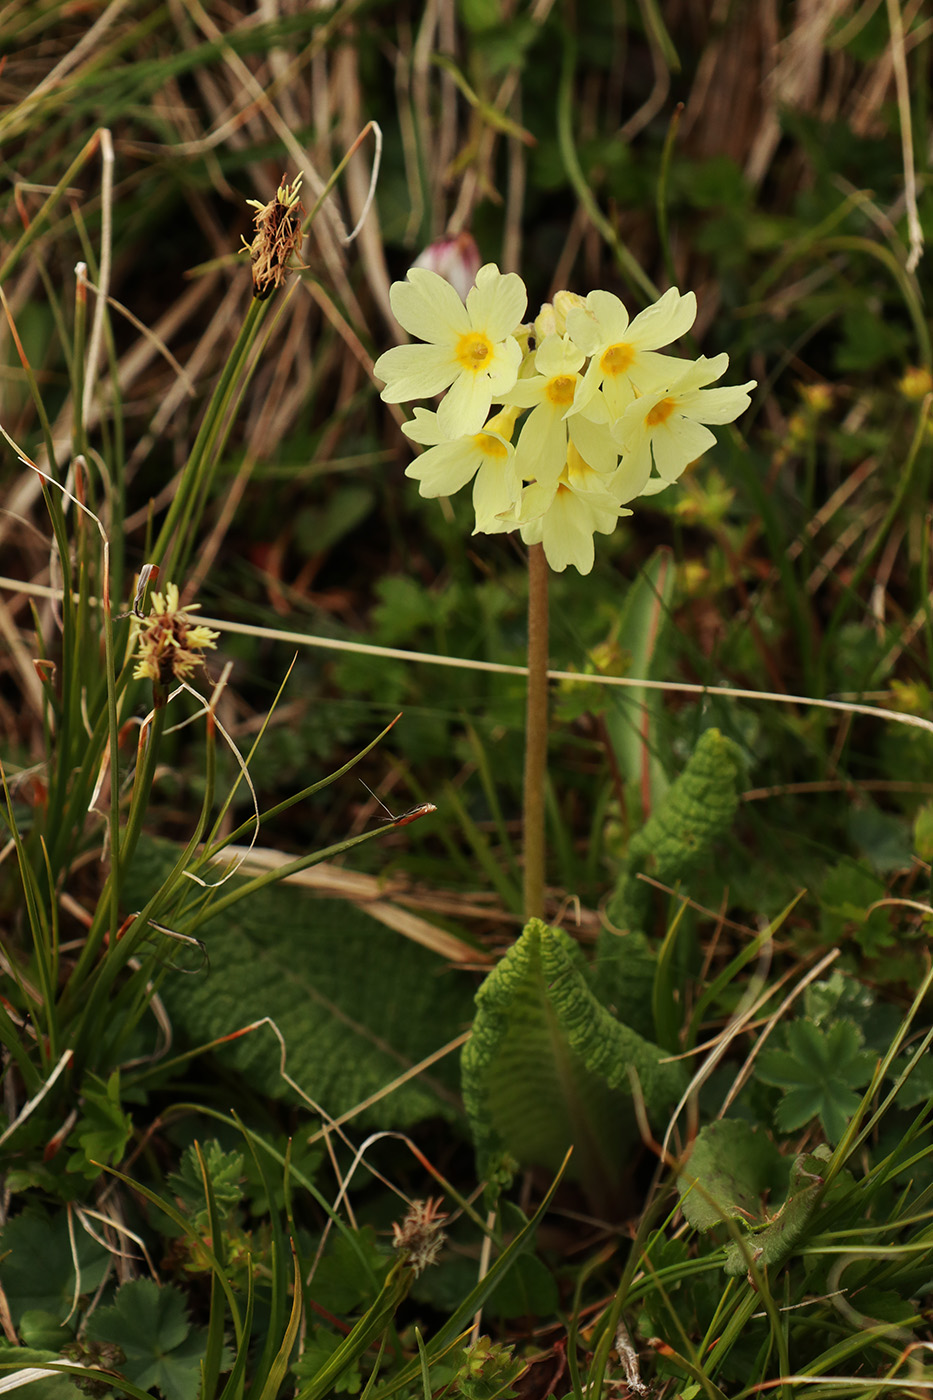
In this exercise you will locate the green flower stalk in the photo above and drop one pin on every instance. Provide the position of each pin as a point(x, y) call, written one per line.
point(607, 418)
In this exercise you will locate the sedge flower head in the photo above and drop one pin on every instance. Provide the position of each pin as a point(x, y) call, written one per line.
point(170, 645)
point(420, 1237)
point(471, 349)
point(278, 235)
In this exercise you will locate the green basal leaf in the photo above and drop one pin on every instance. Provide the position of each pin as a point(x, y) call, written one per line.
point(775, 1243)
point(225, 1170)
point(356, 1003)
point(547, 1067)
point(820, 1071)
point(103, 1129)
point(676, 841)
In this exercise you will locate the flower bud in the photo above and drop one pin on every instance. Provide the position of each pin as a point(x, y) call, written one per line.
point(457, 260)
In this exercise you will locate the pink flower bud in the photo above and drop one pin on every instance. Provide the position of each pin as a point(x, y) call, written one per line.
point(455, 259)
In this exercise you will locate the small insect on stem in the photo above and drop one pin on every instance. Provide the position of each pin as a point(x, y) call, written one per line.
point(412, 815)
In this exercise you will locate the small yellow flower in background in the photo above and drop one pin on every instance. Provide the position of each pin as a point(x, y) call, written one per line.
point(278, 235)
point(818, 397)
point(915, 383)
point(471, 350)
point(169, 644)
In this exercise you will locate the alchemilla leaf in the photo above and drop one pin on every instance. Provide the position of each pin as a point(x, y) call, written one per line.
point(821, 1070)
point(161, 1347)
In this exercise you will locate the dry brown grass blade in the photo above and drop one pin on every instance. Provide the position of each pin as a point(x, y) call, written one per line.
point(366, 891)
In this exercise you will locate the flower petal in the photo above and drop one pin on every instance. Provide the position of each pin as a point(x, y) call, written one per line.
point(415, 371)
point(445, 468)
point(632, 476)
point(594, 444)
point(542, 445)
point(680, 441)
point(567, 535)
point(497, 303)
point(424, 428)
point(717, 405)
point(465, 407)
point(428, 307)
point(668, 319)
point(496, 490)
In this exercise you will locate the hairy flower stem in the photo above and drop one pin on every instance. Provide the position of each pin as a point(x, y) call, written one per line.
point(536, 734)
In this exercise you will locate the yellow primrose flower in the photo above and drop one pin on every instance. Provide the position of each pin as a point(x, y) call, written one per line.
point(554, 392)
point(565, 519)
point(486, 458)
point(624, 359)
point(667, 425)
point(170, 643)
point(471, 350)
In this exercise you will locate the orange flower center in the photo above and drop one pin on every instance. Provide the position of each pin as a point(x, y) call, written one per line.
point(660, 413)
point(560, 390)
point(618, 359)
point(474, 351)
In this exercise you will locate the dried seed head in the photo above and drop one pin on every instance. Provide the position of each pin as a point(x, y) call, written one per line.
point(170, 644)
point(278, 235)
point(420, 1234)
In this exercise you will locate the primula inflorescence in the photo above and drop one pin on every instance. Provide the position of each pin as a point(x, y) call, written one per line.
point(608, 417)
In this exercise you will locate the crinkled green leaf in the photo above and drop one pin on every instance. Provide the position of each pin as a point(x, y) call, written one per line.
point(735, 1173)
point(677, 839)
point(770, 1246)
point(357, 1003)
point(548, 1067)
point(152, 1326)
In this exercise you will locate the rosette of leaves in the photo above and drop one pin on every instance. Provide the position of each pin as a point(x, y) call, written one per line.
point(548, 1067)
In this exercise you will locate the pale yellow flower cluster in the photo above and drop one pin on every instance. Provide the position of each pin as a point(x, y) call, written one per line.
point(608, 418)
